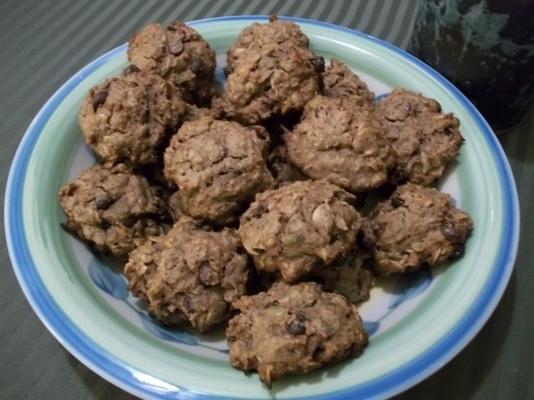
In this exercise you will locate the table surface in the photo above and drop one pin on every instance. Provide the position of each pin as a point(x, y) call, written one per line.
point(45, 42)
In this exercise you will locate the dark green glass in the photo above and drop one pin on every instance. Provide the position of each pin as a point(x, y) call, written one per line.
point(486, 48)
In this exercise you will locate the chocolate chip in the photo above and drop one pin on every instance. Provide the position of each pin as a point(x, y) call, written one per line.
point(175, 48)
point(396, 201)
point(226, 71)
point(103, 202)
point(451, 233)
point(257, 212)
point(99, 99)
point(197, 66)
point(318, 64)
point(317, 352)
point(458, 250)
point(130, 69)
point(297, 326)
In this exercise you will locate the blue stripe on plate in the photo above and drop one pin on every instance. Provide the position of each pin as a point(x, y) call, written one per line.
point(144, 385)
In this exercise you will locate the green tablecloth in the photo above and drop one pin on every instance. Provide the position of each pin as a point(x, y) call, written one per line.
point(42, 43)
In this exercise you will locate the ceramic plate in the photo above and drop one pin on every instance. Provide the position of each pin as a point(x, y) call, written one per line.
point(417, 324)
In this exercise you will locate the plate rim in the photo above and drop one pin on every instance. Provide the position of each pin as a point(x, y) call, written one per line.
point(130, 379)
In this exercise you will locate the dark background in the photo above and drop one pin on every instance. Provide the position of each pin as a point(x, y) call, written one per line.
point(44, 42)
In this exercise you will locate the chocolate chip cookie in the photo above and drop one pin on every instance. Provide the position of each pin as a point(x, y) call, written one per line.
point(218, 167)
point(424, 139)
point(415, 226)
point(342, 142)
point(258, 35)
point(190, 274)
point(293, 329)
point(178, 54)
point(275, 79)
point(112, 209)
point(129, 117)
point(299, 227)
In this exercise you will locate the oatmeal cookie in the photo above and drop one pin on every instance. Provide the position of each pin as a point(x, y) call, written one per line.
point(415, 226)
point(112, 209)
point(129, 117)
point(299, 227)
point(190, 274)
point(341, 142)
point(293, 329)
point(218, 167)
point(258, 35)
point(180, 55)
point(424, 139)
point(271, 80)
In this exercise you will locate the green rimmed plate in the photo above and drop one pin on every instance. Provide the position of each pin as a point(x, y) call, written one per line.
point(417, 323)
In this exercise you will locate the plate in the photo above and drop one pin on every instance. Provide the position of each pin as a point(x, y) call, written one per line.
point(417, 323)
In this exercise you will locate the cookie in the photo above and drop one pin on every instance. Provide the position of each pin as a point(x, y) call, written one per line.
point(112, 209)
point(424, 139)
point(258, 35)
point(342, 142)
point(416, 226)
point(299, 227)
point(128, 118)
point(178, 54)
point(293, 329)
point(275, 79)
point(218, 167)
point(190, 274)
